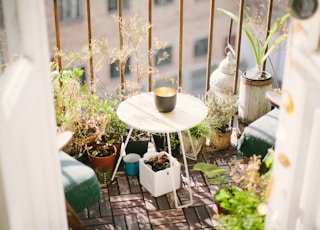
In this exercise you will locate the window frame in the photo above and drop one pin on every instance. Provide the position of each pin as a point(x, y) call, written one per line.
point(114, 7)
point(70, 10)
point(200, 48)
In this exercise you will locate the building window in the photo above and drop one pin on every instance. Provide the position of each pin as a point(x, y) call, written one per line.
point(198, 79)
point(163, 56)
point(115, 71)
point(162, 2)
point(113, 5)
point(201, 47)
point(70, 10)
point(1, 17)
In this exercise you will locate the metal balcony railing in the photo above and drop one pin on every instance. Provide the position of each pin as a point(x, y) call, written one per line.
point(181, 12)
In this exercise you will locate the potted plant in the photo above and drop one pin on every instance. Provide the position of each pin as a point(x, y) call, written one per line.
point(220, 112)
point(138, 142)
point(159, 173)
point(160, 141)
point(261, 49)
point(198, 135)
point(242, 192)
point(78, 111)
point(102, 154)
point(245, 202)
point(255, 82)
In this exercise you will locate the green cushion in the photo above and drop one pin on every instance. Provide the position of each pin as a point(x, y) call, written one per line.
point(260, 135)
point(81, 186)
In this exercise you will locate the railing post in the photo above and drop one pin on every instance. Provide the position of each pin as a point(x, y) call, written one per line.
point(57, 27)
point(121, 64)
point(235, 83)
point(210, 44)
point(150, 45)
point(90, 46)
point(268, 26)
point(180, 45)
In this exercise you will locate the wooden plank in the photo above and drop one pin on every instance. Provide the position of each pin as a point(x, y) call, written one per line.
point(123, 183)
point(128, 204)
point(132, 222)
point(197, 178)
point(113, 188)
point(134, 184)
point(150, 202)
point(98, 221)
point(105, 207)
point(144, 221)
point(128, 211)
point(165, 217)
point(94, 211)
point(204, 217)
point(192, 218)
point(162, 202)
point(120, 222)
point(127, 197)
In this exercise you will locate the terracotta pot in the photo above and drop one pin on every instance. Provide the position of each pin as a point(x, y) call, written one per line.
point(108, 161)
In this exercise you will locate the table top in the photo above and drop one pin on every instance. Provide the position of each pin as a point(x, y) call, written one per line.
point(140, 112)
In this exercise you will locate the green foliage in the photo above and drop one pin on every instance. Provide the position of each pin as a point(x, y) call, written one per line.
point(212, 172)
point(259, 47)
point(244, 200)
point(199, 131)
point(80, 111)
point(102, 150)
point(241, 207)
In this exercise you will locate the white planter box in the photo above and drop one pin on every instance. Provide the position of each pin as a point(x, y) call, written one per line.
point(160, 182)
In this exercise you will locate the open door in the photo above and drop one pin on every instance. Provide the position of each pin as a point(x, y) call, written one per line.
point(31, 191)
point(294, 201)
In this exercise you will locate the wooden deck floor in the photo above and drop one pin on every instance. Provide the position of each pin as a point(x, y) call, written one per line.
point(128, 205)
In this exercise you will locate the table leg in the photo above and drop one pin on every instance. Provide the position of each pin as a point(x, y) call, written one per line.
point(194, 157)
point(186, 172)
point(122, 154)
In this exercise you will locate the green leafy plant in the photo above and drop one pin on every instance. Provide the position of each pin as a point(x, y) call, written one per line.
point(77, 110)
point(241, 207)
point(213, 174)
point(102, 150)
point(199, 131)
point(244, 202)
point(260, 49)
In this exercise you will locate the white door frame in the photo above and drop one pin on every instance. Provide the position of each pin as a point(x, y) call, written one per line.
point(31, 191)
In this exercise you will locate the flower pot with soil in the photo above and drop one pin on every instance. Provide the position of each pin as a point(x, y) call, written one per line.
point(161, 143)
point(138, 142)
point(102, 154)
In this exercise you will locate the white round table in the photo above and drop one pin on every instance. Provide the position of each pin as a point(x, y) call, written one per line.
point(139, 112)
